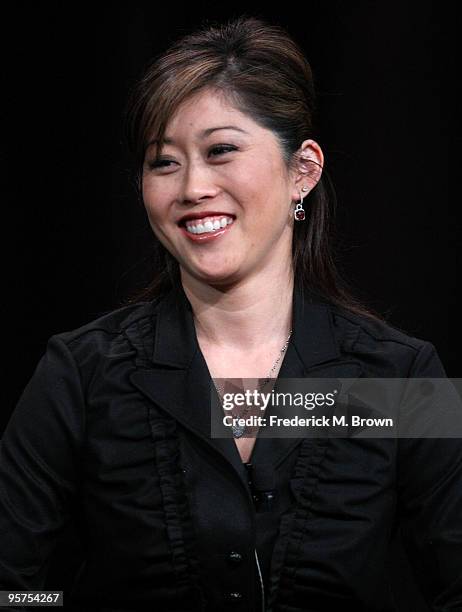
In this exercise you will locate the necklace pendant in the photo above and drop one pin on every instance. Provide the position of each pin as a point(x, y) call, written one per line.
point(238, 430)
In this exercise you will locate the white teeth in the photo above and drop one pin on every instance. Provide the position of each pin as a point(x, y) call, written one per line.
point(208, 225)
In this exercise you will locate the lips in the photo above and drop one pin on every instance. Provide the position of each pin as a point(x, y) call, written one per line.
point(207, 236)
point(202, 215)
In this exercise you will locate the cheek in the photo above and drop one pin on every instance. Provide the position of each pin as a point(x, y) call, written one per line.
point(261, 185)
point(152, 205)
point(158, 229)
point(149, 189)
point(151, 210)
point(156, 202)
point(249, 193)
point(155, 218)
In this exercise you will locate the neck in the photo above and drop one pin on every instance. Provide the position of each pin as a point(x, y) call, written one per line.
point(246, 315)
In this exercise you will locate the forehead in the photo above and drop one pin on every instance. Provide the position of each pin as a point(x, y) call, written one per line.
point(202, 113)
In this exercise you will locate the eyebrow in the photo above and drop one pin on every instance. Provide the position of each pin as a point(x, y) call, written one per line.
point(205, 133)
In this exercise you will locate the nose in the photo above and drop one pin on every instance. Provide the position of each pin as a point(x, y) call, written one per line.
point(197, 184)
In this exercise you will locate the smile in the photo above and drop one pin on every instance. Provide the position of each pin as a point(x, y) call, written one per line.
point(207, 228)
point(208, 224)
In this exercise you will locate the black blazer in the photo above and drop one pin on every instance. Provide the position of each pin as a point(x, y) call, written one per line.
point(113, 431)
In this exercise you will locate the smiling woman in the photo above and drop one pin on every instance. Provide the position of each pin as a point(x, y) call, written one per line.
point(241, 108)
point(235, 176)
point(114, 427)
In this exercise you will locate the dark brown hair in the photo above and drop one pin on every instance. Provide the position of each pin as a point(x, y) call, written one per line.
point(265, 75)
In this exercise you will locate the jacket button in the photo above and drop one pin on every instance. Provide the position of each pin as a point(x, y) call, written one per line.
point(235, 557)
point(235, 596)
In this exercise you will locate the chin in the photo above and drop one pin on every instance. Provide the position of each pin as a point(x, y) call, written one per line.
point(220, 279)
point(214, 276)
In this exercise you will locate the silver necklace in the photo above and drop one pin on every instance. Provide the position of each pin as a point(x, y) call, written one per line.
point(239, 430)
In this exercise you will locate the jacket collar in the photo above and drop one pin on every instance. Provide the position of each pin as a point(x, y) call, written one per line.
point(176, 343)
point(178, 381)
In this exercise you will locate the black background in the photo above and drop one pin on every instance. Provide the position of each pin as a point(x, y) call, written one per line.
point(76, 239)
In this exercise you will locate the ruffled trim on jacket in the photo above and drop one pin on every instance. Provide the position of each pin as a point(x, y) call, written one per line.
point(293, 524)
point(178, 519)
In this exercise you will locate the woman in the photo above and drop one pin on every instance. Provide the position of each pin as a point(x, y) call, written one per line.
point(113, 429)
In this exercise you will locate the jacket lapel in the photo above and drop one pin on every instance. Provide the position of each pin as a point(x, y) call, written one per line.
point(178, 381)
point(313, 352)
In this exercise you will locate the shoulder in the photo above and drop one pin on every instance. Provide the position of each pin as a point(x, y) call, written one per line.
point(373, 331)
point(386, 348)
point(121, 331)
point(110, 322)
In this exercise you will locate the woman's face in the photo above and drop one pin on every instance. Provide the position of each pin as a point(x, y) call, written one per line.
point(221, 200)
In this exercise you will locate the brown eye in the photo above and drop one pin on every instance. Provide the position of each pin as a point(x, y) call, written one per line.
point(223, 148)
point(162, 163)
point(217, 150)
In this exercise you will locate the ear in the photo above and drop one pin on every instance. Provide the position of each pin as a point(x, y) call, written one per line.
point(308, 168)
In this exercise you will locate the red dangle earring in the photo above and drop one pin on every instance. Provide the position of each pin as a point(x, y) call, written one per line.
point(299, 212)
